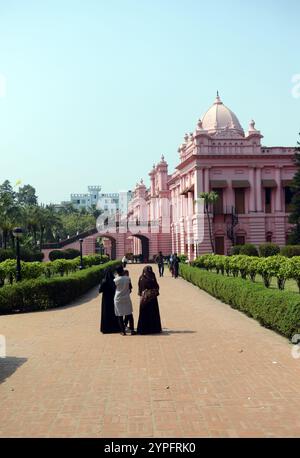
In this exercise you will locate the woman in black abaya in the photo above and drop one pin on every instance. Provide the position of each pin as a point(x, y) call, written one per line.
point(109, 321)
point(149, 318)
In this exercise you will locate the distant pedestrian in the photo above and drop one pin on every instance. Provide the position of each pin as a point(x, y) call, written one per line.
point(160, 263)
point(124, 261)
point(122, 301)
point(175, 263)
point(171, 265)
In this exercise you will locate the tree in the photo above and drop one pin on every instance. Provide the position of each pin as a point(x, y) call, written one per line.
point(32, 220)
point(294, 217)
point(209, 199)
point(9, 212)
point(27, 196)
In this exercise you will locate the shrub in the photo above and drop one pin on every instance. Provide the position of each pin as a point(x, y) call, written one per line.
point(56, 254)
point(25, 254)
point(182, 257)
point(278, 310)
point(268, 249)
point(7, 253)
point(249, 250)
point(71, 253)
point(28, 255)
point(274, 266)
point(93, 260)
point(42, 293)
point(235, 249)
point(31, 269)
point(290, 250)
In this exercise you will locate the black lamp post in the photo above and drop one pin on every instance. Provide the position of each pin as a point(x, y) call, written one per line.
point(81, 260)
point(18, 232)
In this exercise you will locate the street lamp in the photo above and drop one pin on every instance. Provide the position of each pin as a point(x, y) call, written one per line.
point(81, 260)
point(17, 233)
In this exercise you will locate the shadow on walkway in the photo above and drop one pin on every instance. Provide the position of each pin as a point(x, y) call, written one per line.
point(81, 300)
point(9, 365)
point(167, 332)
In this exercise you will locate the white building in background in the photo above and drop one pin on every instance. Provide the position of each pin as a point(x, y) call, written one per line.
point(87, 200)
point(107, 202)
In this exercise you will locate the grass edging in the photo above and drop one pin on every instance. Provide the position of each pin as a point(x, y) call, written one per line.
point(274, 309)
point(42, 293)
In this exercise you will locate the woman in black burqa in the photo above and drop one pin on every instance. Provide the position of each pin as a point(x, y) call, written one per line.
point(109, 321)
point(149, 318)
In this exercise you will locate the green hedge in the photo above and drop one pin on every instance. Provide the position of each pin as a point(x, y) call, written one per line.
point(268, 249)
point(25, 254)
point(42, 293)
point(279, 267)
point(290, 250)
point(277, 310)
point(69, 253)
point(30, 270)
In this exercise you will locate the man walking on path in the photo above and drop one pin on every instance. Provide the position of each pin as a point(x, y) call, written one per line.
point(160, 262)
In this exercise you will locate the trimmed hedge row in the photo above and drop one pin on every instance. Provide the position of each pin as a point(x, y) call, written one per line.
point(25, 254)
point(42, 293)
point(274, 309)
point(280, 267)
point(30, 270)
point(69, 253)
point(266, 250)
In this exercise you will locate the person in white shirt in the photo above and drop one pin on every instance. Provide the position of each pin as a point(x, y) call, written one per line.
point(122, 301)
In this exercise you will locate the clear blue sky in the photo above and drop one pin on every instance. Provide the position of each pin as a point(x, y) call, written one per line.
point(96, 91)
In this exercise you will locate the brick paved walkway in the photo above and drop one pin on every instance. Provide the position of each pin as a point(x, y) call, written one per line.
point(213, 372)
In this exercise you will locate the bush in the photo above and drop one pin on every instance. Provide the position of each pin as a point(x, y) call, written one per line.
point(7, 253)
point(235, 249)
point(25, 254)
point(248, 250)
point(31, 255)
point(182, 257)
point(278, 310)
point(268, 249)
point(71, 253)
point(42, 293)
point(36, 269)
point(290, 250)
point(56, 254)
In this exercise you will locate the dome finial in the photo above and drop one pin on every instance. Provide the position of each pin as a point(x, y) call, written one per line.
point(218, 100)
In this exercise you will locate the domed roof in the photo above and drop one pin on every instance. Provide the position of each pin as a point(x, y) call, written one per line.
point(219, 118)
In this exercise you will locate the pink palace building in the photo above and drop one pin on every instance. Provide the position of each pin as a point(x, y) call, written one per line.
point(252, 182)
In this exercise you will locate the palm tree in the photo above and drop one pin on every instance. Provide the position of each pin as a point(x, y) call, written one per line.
point(10, 216)
point(209, 198)
point(31, 217)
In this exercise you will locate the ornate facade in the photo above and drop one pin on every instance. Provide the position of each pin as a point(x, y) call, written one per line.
point(252, 182)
